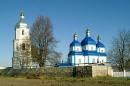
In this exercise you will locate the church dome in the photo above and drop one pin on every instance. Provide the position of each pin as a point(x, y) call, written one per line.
point(22, 20)
point(99, 44)
point(88, 40)
point(75, 42)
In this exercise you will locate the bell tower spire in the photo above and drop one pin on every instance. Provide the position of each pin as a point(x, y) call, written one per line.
point(22, 15)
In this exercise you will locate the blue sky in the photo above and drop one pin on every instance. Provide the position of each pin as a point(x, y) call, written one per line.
point(103, 17)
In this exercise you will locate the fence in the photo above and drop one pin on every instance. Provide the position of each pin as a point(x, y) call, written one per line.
point(121, 74)
point(108, 71)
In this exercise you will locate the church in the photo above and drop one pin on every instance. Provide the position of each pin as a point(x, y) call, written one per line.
point(21, 45)
point(86, 52)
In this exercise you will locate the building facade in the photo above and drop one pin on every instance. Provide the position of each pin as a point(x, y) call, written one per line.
point(21, 45)
point(86, 52)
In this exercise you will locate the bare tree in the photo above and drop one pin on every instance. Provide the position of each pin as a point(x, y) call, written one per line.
point(42, 40)
point(54, 57)
point(119, 54)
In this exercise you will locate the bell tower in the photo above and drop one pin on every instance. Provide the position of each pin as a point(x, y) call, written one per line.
point(21, 45)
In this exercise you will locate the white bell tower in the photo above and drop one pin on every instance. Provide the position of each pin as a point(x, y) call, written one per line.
point(21, 45)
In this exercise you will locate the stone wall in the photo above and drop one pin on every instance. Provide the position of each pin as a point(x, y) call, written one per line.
point(80, 71)
point(101, 71)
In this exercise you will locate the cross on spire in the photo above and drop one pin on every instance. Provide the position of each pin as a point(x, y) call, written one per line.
point(87, 32)
point(98, 38)
point(22, 15)
point(75, 36)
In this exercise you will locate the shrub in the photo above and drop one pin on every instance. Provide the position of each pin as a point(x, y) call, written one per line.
point(33, 76)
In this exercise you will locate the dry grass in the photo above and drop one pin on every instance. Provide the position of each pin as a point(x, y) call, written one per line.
point(9, 81)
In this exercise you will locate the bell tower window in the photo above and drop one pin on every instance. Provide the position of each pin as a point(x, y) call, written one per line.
point(22, 32)
point(23, 46)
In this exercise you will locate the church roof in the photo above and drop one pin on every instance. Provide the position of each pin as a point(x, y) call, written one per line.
point(64, 65)
point(102, 54)
point(99, 44)
point(75, 43)
point(88, 40)
point(93, 53)
point(75, 53)
point(21, 20)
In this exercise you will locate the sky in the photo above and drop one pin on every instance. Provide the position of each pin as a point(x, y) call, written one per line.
point(103, 17)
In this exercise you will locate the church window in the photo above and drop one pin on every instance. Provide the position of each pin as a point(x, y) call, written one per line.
point(97, 60)
point(79, 60)
point(23, 46)
point(77, 49)
point(93, 61)
point(22, 32)
point(91, 48)
point(101, 50)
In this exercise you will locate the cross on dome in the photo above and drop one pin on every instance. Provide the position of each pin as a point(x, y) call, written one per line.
point(75, 36)
point(98, 38)
point(88, 33)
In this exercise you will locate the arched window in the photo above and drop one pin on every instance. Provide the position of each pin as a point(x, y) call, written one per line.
point(101, 51)
point(77, 49)
point(93, 60)
point(91, 48)
point(102, 61)
point(97, 60)
point(79, 61)
point(23, 46)
point(22, 32)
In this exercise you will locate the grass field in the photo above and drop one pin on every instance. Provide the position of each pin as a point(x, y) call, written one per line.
point(53, 81)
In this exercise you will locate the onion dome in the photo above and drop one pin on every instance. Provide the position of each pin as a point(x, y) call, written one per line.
point(75, 42)
point(88, 40)
point(99, 44)
point(21, 20)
